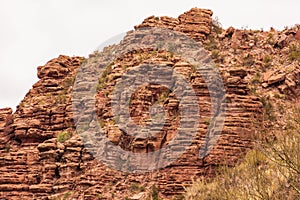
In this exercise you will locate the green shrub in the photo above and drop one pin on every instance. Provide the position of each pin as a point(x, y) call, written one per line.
point(267, 61)
point(104, 77)
point(67, 195)
point(154, 193)
point(268, 109)
point(163, 96)
point(207, 121)
point(102, 123)
point(248, 60)
point(215, 54)
point(99, 196)
point(256, 78)
point(294, 52)
point(63, 136)
point(210, 44)
point(270, 39)
point(135, 187)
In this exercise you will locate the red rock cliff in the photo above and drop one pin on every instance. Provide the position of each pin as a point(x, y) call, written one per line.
point(42, 157)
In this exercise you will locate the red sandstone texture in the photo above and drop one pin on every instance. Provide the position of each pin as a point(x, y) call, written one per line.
point(37, 164)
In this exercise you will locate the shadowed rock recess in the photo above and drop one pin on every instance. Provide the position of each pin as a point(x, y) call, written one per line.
point(42, 156)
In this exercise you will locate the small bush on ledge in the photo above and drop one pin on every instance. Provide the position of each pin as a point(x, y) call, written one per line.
point(63, 136)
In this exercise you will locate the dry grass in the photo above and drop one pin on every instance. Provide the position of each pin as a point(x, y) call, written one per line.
point(270, 171)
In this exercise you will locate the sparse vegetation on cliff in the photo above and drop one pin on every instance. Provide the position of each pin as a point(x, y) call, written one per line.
point(270, 171)
point(44, 158)
point(294, 52)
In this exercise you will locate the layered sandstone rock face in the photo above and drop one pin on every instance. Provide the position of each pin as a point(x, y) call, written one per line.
point(42, 156)
point(196, 23)
point(6, 119)
point(44, 112)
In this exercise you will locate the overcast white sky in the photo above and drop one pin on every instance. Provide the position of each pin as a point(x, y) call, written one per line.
point(35, 31)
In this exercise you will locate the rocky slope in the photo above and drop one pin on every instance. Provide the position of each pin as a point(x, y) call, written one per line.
point(42, 156)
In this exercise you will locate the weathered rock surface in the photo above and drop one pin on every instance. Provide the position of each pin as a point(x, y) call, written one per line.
point(195, 23)
point(297, 36)
point(6, 133)
point(42, 157)
point(42, 115)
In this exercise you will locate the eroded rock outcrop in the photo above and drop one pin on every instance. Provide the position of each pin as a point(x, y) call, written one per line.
point(42, 156)
point(195, 23)
point(43, 114)
point(6, 119)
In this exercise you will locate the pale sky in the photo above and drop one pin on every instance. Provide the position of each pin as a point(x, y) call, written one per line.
point(35, 31)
